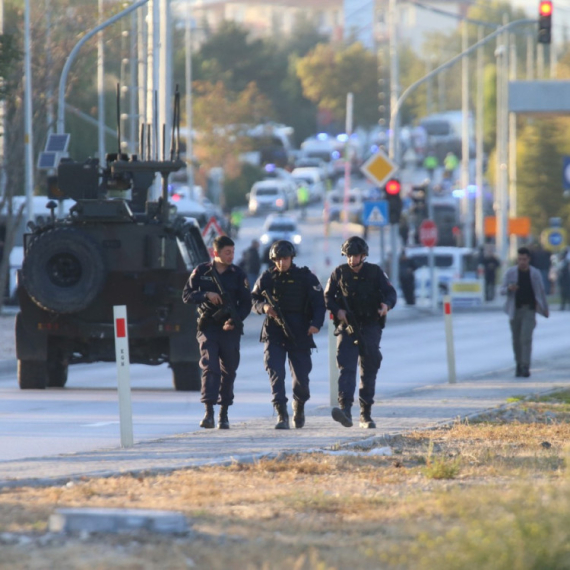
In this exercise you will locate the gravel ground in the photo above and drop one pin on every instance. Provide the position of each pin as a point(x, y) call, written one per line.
point(7, 340)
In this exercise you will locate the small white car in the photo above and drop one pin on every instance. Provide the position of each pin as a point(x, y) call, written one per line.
point(268, 196)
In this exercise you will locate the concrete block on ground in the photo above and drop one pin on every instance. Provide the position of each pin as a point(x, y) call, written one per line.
point(117, 520)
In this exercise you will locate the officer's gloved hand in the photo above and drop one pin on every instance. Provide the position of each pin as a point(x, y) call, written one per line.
point(341, 316)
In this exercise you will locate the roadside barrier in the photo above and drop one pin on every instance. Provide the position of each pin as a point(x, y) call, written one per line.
point(449, 339)
point(123, 374)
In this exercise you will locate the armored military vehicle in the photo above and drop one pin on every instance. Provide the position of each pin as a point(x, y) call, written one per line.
point(108, 251)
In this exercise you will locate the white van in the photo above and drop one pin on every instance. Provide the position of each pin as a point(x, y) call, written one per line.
point(312, 177)
point(450, 264)
point(268, 196)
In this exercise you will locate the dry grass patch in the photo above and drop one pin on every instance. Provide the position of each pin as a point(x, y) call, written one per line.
point(486, 494)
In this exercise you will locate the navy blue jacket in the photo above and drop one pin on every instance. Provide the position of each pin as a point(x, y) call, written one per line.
point(382, 284)
point(311, 299)
point(234, 282)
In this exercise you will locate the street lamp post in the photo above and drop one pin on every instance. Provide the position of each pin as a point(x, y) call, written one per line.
point(28, 134)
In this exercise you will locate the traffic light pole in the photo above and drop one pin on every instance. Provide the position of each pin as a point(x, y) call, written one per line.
point(397, 106)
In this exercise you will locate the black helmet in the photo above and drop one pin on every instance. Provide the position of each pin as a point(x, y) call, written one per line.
point(282, 248)
point(354, 246)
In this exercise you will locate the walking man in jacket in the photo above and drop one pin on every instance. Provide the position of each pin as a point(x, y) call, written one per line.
point(523, 286)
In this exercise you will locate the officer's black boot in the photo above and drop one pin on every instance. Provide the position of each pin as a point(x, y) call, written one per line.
point(282, 416)
point(342, 415)
point(223, 422)
point(298, 413)
point(365, 419)
point(208, 420)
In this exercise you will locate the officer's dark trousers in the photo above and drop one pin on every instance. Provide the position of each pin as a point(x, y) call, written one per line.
point(347, 360)
point(300, 365)
point(219, 360)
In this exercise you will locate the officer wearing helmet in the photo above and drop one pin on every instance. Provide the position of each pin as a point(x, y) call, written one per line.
point(218, 336)
point(298, 299)
point(359, 295)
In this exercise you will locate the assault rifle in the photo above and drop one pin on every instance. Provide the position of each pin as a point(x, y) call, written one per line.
point(352, 327)
point(228, 309)
point(280, 317)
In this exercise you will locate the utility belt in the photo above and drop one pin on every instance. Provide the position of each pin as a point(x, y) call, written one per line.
point(206, 320)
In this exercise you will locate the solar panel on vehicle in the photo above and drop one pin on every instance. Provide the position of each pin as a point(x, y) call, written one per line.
point(47, 160)
point(57, 142)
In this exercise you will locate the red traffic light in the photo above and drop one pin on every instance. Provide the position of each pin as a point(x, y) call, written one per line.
point(392, 187)
point(545, 8)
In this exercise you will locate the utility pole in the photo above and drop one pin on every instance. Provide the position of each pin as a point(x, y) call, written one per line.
point(28, 134)
point(467, 218)
point(165, 76)
point(2, 118)
point(101, 87)
point(501, 197)
point(189, 125)
point(142, 74)
point(529, 57)
point(133, 111)
point(513, 151)
point(394, 150)
point(479, 212)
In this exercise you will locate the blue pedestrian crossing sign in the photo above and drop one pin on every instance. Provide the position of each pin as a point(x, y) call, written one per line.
point(375, 213)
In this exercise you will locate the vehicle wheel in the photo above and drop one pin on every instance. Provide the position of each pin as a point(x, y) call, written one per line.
point(63, 271)
point(186, 376)
point(57, 367)
point(32, 374)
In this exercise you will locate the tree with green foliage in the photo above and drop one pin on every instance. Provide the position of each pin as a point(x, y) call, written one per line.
point(328, 73)
point(541, 146)
point(232, 57)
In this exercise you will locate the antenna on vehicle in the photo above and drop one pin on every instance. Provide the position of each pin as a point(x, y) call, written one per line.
point(163, 141)
point(118, 120)
point(175, 141)
point(149, 141)
point(155, 125)
point(142, 141)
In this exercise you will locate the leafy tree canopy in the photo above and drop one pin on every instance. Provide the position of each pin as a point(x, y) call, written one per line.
point(328, 73)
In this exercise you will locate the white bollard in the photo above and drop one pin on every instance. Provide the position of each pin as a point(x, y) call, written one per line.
point(333, 368)
point(123, 374)
point(449, 339)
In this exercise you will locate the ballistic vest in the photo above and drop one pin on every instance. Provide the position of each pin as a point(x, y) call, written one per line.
point(362, 291)
point(290, 289)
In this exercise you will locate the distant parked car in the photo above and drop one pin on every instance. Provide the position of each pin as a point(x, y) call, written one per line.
point(312, 177)
point(276, 227)
point(334, 206)
point(268, 196)
point(450, 264)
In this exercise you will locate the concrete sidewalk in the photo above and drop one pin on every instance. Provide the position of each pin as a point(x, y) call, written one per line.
point(421, 408)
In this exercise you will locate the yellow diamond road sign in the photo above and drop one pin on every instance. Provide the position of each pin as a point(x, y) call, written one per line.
point(378, 168)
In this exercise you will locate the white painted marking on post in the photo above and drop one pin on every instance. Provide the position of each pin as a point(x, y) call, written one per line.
point(333, 369)
point(123, 374)
point(449, 339)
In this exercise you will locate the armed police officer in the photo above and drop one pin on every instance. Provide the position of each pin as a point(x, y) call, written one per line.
point(292, 299)
point(221, 291)
point(359, 295)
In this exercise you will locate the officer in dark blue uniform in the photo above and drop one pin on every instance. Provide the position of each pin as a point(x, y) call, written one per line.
point(359, 295)
point(297, 314)
point(218, 330)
